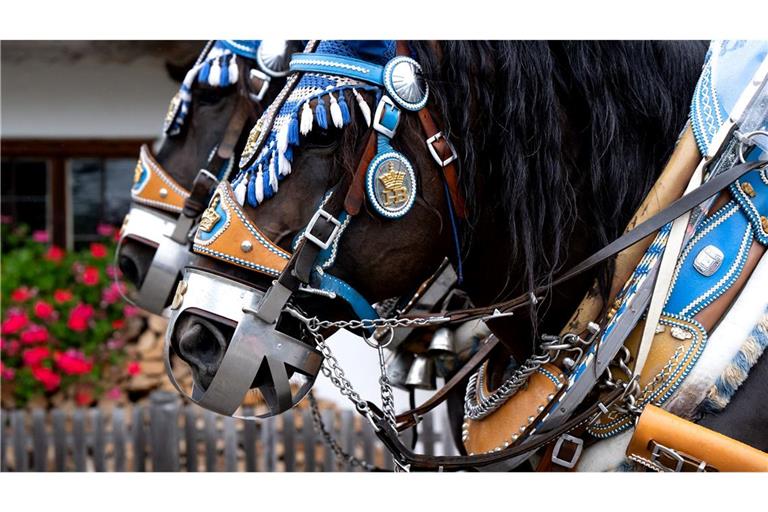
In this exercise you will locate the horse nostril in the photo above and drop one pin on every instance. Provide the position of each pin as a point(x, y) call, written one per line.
point(134, 260)
point(129, 269)
point(202, 345)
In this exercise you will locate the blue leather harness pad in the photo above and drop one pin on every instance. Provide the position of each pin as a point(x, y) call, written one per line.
point(731, 231)
point(338, 65)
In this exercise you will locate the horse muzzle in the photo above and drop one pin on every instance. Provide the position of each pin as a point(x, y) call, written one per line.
point(258, 357)
point(168, 237)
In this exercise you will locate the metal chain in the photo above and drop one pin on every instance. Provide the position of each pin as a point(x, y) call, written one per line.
point(330, 441)
point(314, 324)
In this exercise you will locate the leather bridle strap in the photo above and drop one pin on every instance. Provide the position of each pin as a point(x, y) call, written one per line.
point(668, 214)
point(439, 147)
point(418, 462)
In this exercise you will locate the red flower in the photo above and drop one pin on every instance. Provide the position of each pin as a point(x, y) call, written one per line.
point(129, 310)
point(73, 362)
point(61, 296)
point(91, 276)
point(98, 251)
point(79, 317)
point(33, 357)
point(34, 334)
point(118, 324)
point(43, 310)
point(21, 294)
point(49, 379)
point(7, 373)
point(133, 368)
point(40, 236)
point(83, 397)
point(16, 321)
point(54, 254)
point(11, 348)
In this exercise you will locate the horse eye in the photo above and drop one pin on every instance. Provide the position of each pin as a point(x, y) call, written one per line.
point(207, 95)
point(320, 138)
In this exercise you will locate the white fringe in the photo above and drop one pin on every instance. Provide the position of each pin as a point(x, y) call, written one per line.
point(306, 119)
point(259, 186)
point(240, 190)
point(234, 72)
point(282, 138)
point(273, 173)
point(364, 108)
point(214, 77)
point(338, 119)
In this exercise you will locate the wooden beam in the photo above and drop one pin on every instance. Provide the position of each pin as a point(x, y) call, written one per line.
point(69, 148)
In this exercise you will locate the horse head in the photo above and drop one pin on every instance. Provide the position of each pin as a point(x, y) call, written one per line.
point(207, 123)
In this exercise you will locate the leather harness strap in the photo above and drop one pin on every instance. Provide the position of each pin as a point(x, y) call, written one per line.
point(356, 193)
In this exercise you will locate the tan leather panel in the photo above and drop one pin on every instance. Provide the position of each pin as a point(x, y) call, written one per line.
point(159, 189)
point(717, 450)
point(238, 241)
point(515, 416)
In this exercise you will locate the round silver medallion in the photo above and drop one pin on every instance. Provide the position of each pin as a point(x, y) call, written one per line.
point(273, 56)
point(391, 184)
point(405, 84)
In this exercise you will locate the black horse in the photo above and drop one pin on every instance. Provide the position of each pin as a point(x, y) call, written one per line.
point(558, 144)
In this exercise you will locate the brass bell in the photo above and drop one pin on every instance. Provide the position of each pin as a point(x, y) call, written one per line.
point(398, 366)
point(422, 373)
point(442, 342)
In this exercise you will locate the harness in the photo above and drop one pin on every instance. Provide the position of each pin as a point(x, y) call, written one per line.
point(549, 391)
point(163, 213)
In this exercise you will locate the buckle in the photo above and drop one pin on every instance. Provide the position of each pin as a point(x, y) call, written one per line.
point(569, 464)
point(265, 79)
point(433, 151)
point(389, 132)
point(330, 218)
point(665, 458)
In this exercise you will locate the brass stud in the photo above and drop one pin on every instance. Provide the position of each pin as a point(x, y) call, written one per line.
point(515, 436)
point(764, 223)
point(746, 187)
point(246, 246)
point(522, 428)
point(550, 397)
point(178, 297)
point(540, 408)
point(163, 193)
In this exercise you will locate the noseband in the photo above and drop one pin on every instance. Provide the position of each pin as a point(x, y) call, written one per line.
point(163, 213)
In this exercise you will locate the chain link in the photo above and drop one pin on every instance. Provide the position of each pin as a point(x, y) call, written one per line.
point(314, 324)
point(330, 441)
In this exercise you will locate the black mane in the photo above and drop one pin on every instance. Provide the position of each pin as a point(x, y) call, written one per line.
point(551, 133)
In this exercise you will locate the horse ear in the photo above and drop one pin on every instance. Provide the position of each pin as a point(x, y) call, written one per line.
point(177, 71)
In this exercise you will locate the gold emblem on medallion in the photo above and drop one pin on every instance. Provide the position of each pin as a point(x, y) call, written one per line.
point(394, 192)
point(210, 216)
point(175, 101)
point(137, 172)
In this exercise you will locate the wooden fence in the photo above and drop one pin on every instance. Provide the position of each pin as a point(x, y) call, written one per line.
point(165, 435)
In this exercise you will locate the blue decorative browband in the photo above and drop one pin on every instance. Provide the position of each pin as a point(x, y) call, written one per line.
point(338, 65)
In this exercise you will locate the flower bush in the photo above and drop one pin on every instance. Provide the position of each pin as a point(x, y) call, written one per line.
point(62, 315)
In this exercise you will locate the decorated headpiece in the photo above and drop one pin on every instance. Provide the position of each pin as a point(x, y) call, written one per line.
point(334, 97)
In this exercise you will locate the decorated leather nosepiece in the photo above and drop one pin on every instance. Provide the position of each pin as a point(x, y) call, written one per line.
point(226, 233)
point(336, 78)
point(153, 186)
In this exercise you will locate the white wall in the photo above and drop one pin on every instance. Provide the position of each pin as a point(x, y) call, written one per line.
point(84, 98)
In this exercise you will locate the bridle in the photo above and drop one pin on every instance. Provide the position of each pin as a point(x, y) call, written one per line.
point(259, 313)
point(163, 213)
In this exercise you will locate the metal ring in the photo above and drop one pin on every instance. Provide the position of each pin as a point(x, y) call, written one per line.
point(375, 344)
point(744, 141)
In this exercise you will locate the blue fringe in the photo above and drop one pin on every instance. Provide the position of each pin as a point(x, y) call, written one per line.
point(289, 153)
point(251, 192)
point(293, 131)
point(202, 76)
point(345, 115)
point(224, 77)
point(320, 115)
point(268, 192)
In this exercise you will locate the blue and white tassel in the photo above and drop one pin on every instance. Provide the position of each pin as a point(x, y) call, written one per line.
point(364, 108)
point(336, 117)
point(306, 119)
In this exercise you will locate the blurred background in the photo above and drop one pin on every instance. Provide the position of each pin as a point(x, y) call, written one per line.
point(82, 381)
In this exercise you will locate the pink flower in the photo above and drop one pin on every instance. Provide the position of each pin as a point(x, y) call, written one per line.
point(12, 347)
point(6, 219)
point(73, 362)
point(61, 296)
point(79, 317)
point(7, 373)
point(113, 292)
point(115, 393)
point(115, 343)
point(105, 229)
point(21, 294)
point(43, 310)
point(133, 368)
point(54, 254)
point(40, 236)
point(130, 310)
point(16, 321)
point(49, 379)
point(34, 334)
point(113, 272)
point(91, 276)
point(98, 251)
point(33, 357)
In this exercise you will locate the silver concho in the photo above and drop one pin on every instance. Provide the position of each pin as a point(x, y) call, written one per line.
point(391, 184)
point(405, 84)
point(708, 260)
point(273, 56)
